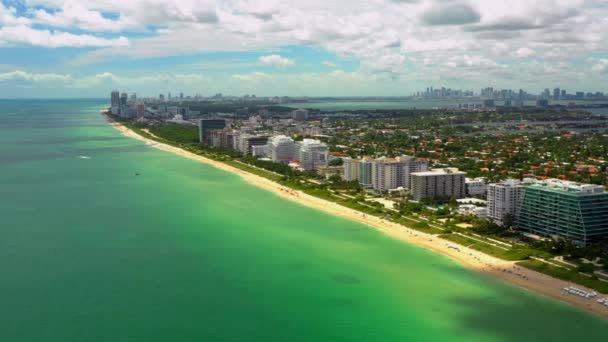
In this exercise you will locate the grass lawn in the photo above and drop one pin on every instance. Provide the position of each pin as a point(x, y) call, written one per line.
point(512, 254)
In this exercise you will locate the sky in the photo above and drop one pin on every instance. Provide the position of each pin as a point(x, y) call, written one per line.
point(86, 48)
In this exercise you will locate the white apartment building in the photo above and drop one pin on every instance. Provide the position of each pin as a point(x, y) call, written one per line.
point(476, 186)
point(471, 209)
point(259, 151)
point(281, 149)
point(412, 165)
point(312, 153)
point(242, 141)
point(387, 174)
point(504, 199)
point(392, 173)
point(351, 169)
point(359, 169)
point(247, 141)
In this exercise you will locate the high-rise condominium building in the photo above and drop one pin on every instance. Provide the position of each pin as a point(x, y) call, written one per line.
point(311, 154)
point(570, 210)
point(504, 201)
point(358, 169)
point(438, 183)
point(300, 114)
point(115, 97)
point(140, 109)
point(351, 168)
point(365, 172)
point(393, 173)
point(205, 125)
point(223, 138)
point(281, 149)
point(248, 141)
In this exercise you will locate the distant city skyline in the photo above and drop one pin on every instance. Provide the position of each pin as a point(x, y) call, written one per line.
point(431, 92)
point(67, 48)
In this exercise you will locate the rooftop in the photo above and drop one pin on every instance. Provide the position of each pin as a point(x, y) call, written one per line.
point(563, 186)
point(440, 172)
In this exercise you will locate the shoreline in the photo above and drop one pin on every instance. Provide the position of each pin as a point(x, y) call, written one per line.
point(484, 264)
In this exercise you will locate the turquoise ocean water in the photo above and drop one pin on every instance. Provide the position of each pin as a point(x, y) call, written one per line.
point(185, 252)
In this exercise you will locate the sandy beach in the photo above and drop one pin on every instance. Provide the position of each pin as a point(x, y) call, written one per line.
point(482, 263)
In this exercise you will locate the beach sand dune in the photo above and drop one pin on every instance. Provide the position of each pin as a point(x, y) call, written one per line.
point(504, 270)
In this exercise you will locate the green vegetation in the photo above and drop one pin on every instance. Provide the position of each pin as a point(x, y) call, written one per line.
point(493, 145)
point(573, 276)
point(244, 108)
point(251, 169)
point(514, 253)
point(180, 134)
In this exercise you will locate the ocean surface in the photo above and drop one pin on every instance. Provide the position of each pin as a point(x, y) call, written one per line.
point(184, 252)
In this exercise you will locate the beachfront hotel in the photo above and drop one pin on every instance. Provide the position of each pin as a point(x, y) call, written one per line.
point(570, 210)
point(437, 183)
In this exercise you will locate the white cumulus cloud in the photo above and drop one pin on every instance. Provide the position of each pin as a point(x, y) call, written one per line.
point(72, 14)
point(253, 77)
point(277, 61)
point(599, 65)
point(524, 52)
point(25, 35)
point(20, 77)
point(411, 41)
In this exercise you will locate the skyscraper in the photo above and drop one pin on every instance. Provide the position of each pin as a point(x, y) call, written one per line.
point(123, 99)
point(115, 98)
point(556, 94)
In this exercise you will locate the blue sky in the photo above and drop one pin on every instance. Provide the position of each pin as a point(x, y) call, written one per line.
point(85, 48)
